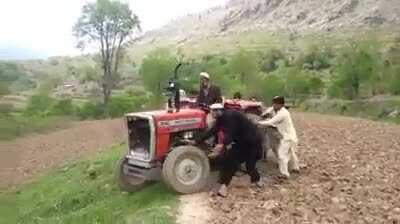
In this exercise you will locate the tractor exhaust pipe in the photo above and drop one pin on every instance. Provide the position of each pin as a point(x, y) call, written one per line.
point(174, 92)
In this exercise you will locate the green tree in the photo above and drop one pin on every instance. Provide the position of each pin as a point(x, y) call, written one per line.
point(244, 64)
point(109, 24)
point(62, 107)
point(157, 68)
point(357, 63)
point(219, 71)
point(315, 58)
point(316, 85)
point(271, 85)
point(297, 82)
point(270, 60)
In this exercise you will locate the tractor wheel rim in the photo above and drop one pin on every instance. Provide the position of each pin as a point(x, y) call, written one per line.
point(188, 171)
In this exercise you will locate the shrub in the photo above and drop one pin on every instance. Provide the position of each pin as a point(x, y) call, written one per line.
point(270, 61)
point(315, 59)
point(120, 105)
point(316, 85)
point(62, 107)
point(38, 105)
point(90, 110)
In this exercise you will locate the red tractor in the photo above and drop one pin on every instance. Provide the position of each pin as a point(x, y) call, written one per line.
point(158, 149)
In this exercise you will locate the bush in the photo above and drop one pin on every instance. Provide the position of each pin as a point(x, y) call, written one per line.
point(132, 91)
point(316, 85)
point(119, 105)
point(270, 61)
point(315, 59)
point(90, 111)
point(38, 105)
point(62, 107)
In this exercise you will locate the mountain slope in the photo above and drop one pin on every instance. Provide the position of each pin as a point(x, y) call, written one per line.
point(239, 16)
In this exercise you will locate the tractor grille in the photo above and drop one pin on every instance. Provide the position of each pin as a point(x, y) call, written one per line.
point(139, 137)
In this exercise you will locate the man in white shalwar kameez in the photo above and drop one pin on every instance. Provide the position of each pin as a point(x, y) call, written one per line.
point(282, 120)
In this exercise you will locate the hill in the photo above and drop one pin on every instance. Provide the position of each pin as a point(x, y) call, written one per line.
point(241, 16)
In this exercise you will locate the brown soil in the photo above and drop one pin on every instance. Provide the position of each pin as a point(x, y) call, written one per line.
point(351, 172)
point(29, 156)
point(351, 175)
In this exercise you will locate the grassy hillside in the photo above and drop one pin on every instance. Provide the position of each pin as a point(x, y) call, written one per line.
point(86, 192)
point(260, 41)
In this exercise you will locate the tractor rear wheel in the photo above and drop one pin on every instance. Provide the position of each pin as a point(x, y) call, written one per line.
point(186, 169)
point(128, 182)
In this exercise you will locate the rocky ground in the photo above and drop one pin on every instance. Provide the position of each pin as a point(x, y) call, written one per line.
point(351, 175)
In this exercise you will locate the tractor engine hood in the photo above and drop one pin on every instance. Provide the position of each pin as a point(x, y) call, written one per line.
point(185, 119)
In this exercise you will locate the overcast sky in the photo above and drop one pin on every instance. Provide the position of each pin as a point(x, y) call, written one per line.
point(45, 25)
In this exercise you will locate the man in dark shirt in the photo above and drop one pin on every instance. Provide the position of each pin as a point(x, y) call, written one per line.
point(209, 93)
point(242, 142)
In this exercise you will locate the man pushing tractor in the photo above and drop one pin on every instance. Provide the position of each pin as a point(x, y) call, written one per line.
point(161, 144)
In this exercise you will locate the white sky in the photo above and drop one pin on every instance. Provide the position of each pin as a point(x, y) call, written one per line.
point(45, 25)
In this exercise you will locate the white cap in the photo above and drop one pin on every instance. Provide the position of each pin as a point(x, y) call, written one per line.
point(205, 75)
point(217, 106)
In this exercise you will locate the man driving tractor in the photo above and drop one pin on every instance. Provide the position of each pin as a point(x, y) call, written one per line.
point(209, 93)
point(242, 142)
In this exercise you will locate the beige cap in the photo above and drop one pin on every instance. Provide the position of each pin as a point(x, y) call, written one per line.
point(217, 106)
point(205, 75)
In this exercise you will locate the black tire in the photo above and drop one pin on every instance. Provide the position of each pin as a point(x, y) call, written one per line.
point(129, 183)
point(186, 169)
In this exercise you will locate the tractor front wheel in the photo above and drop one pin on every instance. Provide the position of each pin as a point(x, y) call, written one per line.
point(128, 182)
point(186, 169)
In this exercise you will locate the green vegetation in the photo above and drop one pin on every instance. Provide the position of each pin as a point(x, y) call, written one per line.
point(375, 110)
point(311, 66)
point(12, 126)
point(108, 23)
point(157, 68)
point(86, 192)
point(44, 113)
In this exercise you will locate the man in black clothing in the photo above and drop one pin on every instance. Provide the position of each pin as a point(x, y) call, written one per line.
point(243, 142)
point(209, 93)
